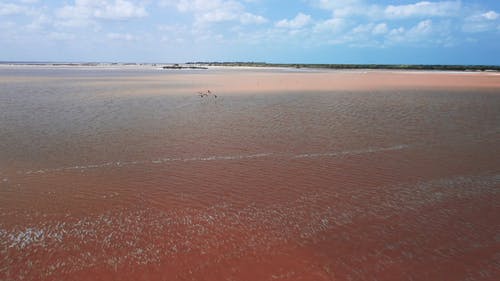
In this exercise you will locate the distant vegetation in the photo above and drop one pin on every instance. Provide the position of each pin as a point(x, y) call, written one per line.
point(205, 65)
point(357, 66)
point(190, 66)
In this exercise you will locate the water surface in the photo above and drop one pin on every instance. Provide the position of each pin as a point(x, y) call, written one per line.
point(130, 175)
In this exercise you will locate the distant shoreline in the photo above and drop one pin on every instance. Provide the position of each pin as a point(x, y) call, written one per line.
point(355, 66)
point(207, 65)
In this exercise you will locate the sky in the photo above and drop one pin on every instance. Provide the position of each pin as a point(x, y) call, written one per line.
point(274, 31)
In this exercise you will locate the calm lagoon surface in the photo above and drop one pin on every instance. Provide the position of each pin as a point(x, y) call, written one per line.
point(278, 174)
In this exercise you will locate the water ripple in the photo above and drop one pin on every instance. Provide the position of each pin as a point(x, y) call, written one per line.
point(215, 158)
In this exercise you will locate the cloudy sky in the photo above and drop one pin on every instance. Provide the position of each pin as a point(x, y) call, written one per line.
point(307, 31)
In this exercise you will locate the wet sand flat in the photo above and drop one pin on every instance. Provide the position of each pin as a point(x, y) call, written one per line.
point(128, 174)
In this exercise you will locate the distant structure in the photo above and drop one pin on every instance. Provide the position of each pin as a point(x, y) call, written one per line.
point(206, 94)
point(177, 66)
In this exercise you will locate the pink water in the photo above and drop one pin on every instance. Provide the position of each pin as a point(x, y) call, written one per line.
point(115, 175)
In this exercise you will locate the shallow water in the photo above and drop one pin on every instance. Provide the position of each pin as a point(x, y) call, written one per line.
point(123, 175)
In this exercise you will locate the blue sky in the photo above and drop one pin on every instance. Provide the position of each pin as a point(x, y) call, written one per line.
point(306, 31)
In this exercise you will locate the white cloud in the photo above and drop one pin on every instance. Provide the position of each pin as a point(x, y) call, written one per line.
point(8, 25)
point(346, 8)
point(38, 22)
point(370, 29)
point(358, 23)
point(431, 22)
point(205, 5)
point(491, 15)
point(8, 9)
point(380, 28)
point(223, 12)
point(61, 36)
point(248, 18)
point(424, 32)
point(174, 33)
point(363, 35)
point(120, 9)
point(397, 31)
point(176, 28)
point(299, 21)
point(474, 27)
point(121, 36)
point(213, 11)
point(422, 28)
point(481, 22)
point(332, 25)
point(362, 28)
point(84, 12)
point(32, 13)
point(338, 4)
point(424, 8)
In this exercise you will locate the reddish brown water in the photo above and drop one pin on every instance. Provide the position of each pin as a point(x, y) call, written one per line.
point(129, 175)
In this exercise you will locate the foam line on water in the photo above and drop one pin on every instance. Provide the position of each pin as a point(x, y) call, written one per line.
point(351, 152)
point(214, 158)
